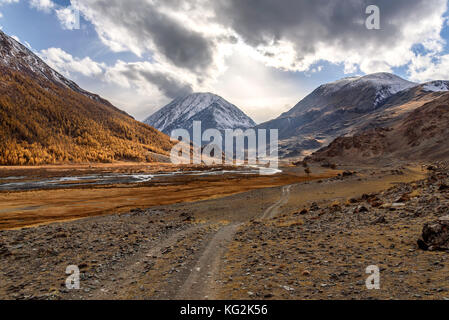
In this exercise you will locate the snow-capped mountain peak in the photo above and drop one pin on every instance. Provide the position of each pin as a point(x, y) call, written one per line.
point(385, 84)
point(361, 93)
point(15, 56)
point(212, 110)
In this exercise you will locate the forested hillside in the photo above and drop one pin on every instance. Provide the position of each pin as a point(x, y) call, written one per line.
point(45, 123)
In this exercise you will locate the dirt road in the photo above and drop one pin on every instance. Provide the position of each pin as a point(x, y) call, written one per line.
point(273, 210)
point(179, 251)
point(202, 281)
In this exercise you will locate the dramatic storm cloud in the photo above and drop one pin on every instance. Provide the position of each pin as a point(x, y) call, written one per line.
point(263, 55)
point(196, 36)
point(310, 31)
point(142, 26)
point(169, 85)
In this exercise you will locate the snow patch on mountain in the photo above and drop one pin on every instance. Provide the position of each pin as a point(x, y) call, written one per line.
point(212, 110)
point(335, 86)
point(386, 84)
point(436, 86)
point(14, 55)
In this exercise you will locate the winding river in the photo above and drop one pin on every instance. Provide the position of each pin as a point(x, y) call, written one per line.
point(27, 183)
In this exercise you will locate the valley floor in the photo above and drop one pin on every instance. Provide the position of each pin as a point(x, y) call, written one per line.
point(70, 193)
point(293, 239)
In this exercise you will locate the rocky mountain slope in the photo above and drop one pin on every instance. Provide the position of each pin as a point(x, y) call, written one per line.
point(347, 106)
point(213, 111)
point(421, 135)
point(15, 56)
point(46, 118)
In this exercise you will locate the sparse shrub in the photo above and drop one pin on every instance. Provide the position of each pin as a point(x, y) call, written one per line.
point(308, 171)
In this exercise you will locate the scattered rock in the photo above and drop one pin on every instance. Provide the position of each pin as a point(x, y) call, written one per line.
point(380, 220)
point(435, 235)
point(287, 288)
point(348, 173)
point(4, 251)
point(361, 209)
point(376, 204)
point(336, 208)
point(404, 198)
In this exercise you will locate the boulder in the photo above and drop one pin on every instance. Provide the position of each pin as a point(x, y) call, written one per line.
point(435, 235)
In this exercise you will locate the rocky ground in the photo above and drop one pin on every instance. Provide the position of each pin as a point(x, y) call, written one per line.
point(322, 251)
point(273, 243)
point(144, 254)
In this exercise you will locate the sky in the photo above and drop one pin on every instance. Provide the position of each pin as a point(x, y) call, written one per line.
point(264, 56)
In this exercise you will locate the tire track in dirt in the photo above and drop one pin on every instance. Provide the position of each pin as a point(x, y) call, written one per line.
point(201, 283)
point(273, 210)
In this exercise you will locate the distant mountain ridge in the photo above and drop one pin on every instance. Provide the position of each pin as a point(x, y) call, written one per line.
point(373, 90)
point(48, 119)
point(212, 110)
point(421, 135)
point(347, 106)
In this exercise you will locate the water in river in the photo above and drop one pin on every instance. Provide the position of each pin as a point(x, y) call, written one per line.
point(26, 183)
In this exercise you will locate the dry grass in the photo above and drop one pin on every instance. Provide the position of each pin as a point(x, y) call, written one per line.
point(25, 209)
